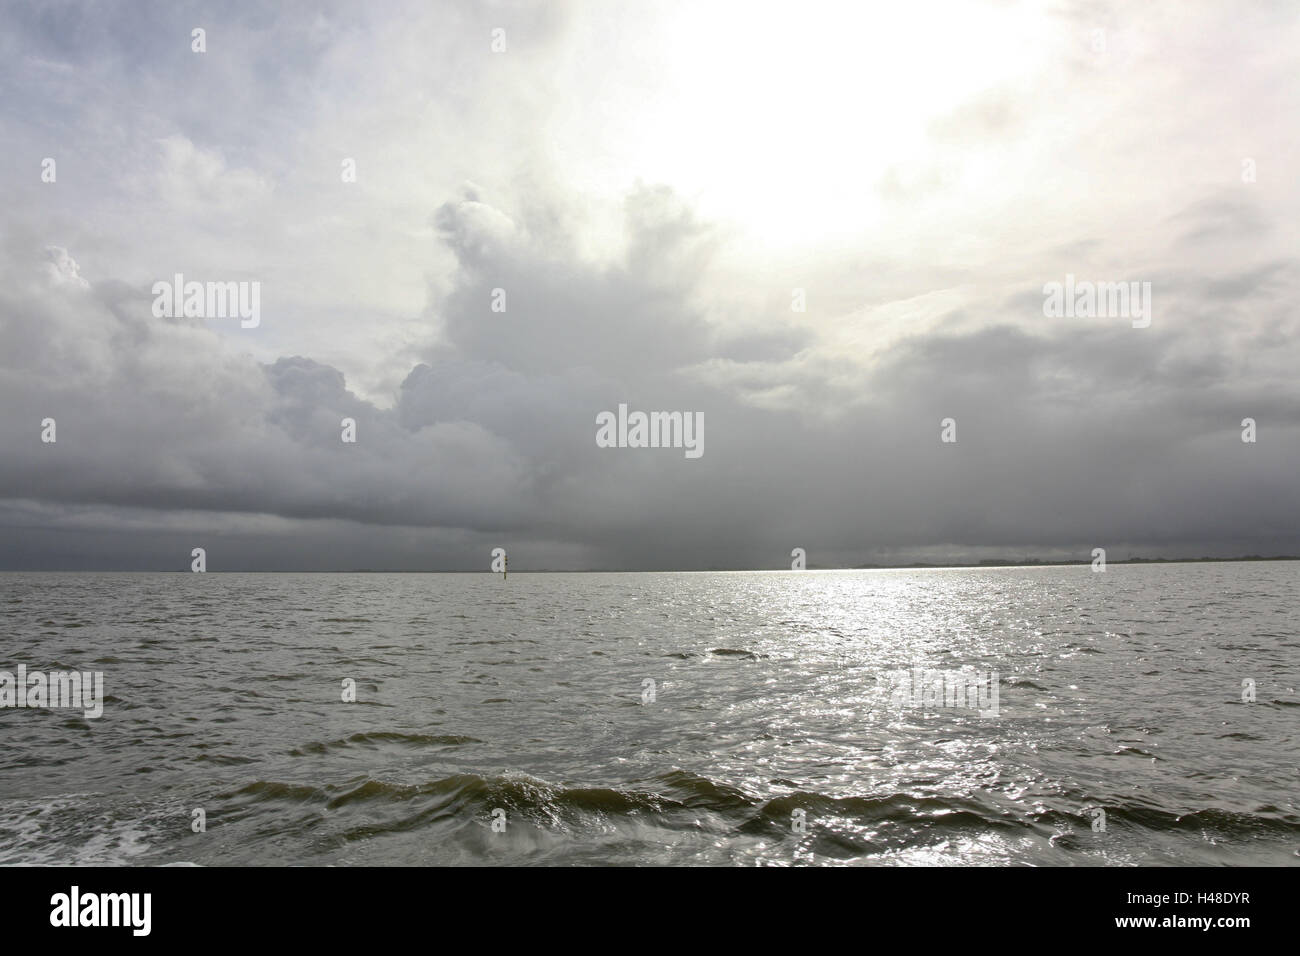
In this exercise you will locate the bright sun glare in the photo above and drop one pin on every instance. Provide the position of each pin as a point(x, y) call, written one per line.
point(786, 125)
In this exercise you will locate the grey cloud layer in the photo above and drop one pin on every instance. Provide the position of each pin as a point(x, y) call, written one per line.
point(821, 429)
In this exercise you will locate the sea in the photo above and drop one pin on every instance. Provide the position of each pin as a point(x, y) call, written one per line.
point(1144, 715)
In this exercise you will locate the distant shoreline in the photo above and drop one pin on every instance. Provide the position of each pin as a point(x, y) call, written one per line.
point(916, 566)
point(1032, 563)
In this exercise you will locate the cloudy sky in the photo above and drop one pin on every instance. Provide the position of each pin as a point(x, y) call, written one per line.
point(654, 186)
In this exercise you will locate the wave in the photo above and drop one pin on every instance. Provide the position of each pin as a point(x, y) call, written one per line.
point(687, 802)
point(384, 738)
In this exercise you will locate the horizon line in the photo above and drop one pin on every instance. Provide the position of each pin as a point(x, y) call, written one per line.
point(983, 565)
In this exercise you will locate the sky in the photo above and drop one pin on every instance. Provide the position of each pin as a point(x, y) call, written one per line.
point(824, 228)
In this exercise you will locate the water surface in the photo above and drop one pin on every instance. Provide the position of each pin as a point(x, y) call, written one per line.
point(772, 707)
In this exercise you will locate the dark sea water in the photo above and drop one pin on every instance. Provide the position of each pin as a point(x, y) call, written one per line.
point(772, 711)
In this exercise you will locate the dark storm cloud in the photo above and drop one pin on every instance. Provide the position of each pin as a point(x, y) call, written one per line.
point(1070, 433)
